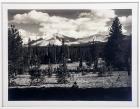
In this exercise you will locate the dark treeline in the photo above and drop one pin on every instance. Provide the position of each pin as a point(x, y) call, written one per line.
point(52, 53)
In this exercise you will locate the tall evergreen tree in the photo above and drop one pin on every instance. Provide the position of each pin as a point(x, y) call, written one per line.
point(14, 50)
point(62, 70)
point(15, 58)
point(113, 46)
point(94, 54)
point(81, 57)
point(34, 71)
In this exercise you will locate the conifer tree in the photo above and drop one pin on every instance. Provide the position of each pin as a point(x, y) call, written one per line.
point(14, 51)
point(113, 46)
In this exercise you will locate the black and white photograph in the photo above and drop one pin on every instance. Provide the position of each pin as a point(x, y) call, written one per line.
point(69, 54)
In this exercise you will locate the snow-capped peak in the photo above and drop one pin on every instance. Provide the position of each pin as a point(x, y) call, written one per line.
point(56, 39)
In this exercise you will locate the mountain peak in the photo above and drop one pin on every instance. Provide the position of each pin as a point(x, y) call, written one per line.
point(57, 38)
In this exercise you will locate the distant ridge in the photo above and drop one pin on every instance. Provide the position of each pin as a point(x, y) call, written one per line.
point(57, 40)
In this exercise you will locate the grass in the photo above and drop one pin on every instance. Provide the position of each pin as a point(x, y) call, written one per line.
point(89, 80)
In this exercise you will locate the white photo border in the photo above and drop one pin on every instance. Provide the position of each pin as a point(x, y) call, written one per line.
point(70, 5)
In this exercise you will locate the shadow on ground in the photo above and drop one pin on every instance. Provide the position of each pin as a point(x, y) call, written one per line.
point(69, 94)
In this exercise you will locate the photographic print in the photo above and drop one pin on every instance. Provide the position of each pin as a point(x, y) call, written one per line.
point(69, 53)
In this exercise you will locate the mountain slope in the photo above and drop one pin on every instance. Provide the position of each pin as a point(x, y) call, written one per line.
point(56, 39)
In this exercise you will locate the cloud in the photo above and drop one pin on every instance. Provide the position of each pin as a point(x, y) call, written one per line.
point(31, 17)
point(25, 35)
point(87, 23)
point(100, 14)
point(126, 23)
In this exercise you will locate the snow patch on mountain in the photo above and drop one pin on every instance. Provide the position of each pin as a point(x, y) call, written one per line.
point(56, 39)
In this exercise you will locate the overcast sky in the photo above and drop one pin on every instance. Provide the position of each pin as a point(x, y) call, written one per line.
point(72, 23)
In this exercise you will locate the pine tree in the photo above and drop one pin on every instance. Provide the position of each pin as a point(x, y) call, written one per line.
point(94, 55)
point(14, 51)
point(81, 58)
point(15, 58)
point(34, 65)
point(113, 48)
point(62, 70)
